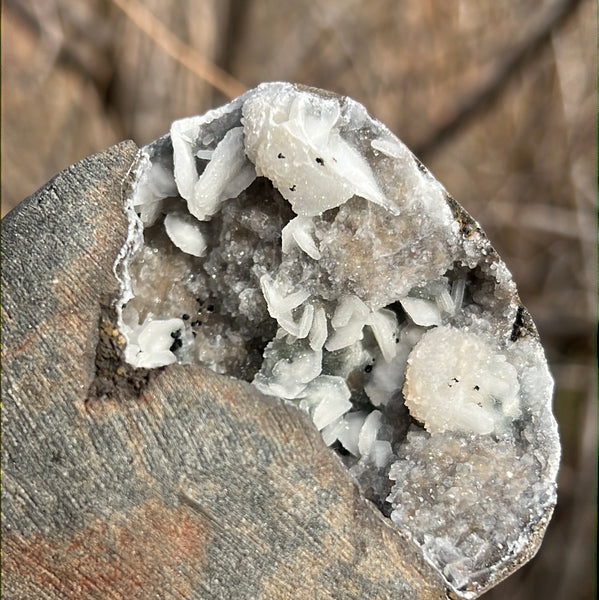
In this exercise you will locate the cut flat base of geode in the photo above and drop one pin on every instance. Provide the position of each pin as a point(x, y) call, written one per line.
point(291, 240)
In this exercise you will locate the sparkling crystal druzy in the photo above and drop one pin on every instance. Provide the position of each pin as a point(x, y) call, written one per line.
point(289, 239)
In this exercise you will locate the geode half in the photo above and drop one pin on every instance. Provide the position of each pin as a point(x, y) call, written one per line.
point(291, 240)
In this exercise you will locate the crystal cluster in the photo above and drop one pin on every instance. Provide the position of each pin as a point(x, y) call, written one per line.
point(291, 240)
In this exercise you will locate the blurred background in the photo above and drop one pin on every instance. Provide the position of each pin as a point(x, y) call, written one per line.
point(497, 98)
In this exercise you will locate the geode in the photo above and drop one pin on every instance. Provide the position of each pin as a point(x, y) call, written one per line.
point(291, 240)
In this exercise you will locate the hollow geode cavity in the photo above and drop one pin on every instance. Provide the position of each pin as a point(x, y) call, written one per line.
point(289, 239)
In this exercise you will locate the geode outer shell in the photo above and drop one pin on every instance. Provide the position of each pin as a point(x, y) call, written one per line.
point(184, 484)
point(372, 302)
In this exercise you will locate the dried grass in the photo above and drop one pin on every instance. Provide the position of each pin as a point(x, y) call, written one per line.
point(80, 76)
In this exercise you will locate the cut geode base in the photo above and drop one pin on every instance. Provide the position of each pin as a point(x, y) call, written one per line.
point(291, 240)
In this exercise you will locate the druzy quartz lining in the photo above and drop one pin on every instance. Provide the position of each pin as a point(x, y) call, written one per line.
point(291, 240)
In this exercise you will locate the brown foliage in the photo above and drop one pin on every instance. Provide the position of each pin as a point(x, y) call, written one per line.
point(498, 97)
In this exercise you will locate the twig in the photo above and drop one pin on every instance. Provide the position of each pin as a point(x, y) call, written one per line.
point(236, 23)
point(90, 64)
point(482, 98)
point(181, 52)
point(561, 222)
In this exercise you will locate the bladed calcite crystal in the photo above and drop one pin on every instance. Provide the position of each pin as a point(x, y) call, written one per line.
point(289, 239)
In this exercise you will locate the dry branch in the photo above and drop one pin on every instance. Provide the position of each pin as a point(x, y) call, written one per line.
point(181, 52)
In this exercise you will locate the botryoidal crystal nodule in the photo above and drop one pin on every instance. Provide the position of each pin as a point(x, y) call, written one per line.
point(289, 239)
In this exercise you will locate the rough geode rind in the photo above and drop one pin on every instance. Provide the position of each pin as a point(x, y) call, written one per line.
point(290, 239)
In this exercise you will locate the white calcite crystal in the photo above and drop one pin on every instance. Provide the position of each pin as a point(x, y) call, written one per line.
point(186, 233)
point(315, 167)
point(457, 381)
point(149, 344)
point(289, 239)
